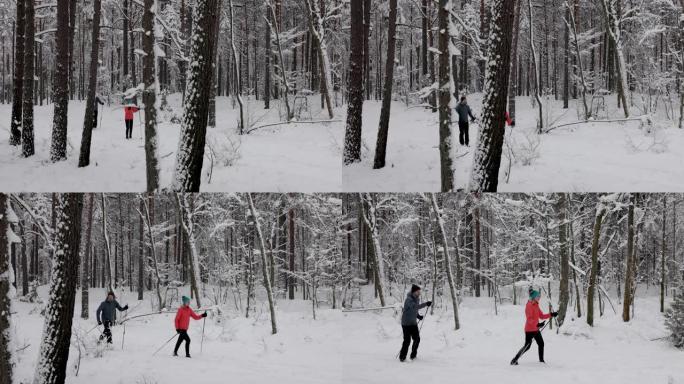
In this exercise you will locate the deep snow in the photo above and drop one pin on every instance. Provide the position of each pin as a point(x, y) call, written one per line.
point(597, 157)
point(361, 347)
point(291, 158)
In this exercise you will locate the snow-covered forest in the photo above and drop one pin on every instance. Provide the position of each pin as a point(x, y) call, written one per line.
point(341, 95)
point(314, 284)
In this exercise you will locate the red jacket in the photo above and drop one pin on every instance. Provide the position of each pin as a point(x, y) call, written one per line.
point(128, 112)
point(508, 119)
point(183, 316)
point(533, 314)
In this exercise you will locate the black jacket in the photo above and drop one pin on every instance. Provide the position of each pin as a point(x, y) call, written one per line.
point(107, 309)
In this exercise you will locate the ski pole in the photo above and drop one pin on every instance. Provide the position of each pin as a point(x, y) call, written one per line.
point(164, 345)
point(202, 342)
point(91, 329)
point(123, 337)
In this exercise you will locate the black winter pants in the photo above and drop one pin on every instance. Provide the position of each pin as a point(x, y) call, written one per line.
point(529, 336)
point(106, 333)
point(410, 333)
point(463, 138)
point(129, 128)
point(183, 336)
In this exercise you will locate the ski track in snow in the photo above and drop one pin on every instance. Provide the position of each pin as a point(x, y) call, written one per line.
point(598, 157)
point(292, 158)
point(360, 347)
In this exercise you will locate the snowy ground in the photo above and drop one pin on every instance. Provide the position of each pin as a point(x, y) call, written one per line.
point(596, 157)
point(236, 350)
point(292, 158)
point(481, 351)
point(360, 347)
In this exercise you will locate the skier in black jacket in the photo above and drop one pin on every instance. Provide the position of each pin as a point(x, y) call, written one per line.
point(409, 322)
point(107, 310)
point(463, 110)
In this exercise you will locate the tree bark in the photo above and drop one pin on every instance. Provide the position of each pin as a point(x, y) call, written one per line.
point(352, 136)
point(600, 212)
point(563, 291)
point(27, 146)
point(7, 360)
point(18, 79)
point(485, 174)
point(88, 119)
point(447, 260)
point(60, 93)
point(190, 155)
point(54, 348)
point(149, 96)
point(85, 252)
point(445, 91)
point(264, 263)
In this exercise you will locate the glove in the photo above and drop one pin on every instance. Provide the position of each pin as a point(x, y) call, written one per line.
point(539, 325)
point(429, 303)
point(204, 314)
point(554, 314)
point(99, 323)
point(125, 308)
point(420, 317)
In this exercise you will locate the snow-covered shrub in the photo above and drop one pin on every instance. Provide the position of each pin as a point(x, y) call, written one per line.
point(224, 147)
point(674, 319)
point(523, 148)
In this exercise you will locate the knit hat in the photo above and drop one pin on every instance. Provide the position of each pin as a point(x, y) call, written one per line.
point(534, 294)
point(414, 288)
point(110, 293)
point(185, 299)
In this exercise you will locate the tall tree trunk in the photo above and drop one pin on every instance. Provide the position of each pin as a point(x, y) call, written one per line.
point(381, 145)
point(27, 147)
point(86, 245)
point(149, 96)
point(600, 212)
point(60, 93)
point(536, 70)
point(563, 291)
point(447, 259)
point(291, 241)
point(371, 220)
point(7, 361)
point(613, 19)
point(445, 91)
point(352, 135)
point(264, 263)
point(236, 68)
point(485, 174)
point(317, 30)
point(54, 348)
point(186, 213)
point(190, 155)
point(18, 79)
point(662, 256)
point(141, 253)
point(150, 236)
point(566, 66)
point(110, 266)
point(578, 59)
point(629, 268)
point(88, 119)
point(513, 84)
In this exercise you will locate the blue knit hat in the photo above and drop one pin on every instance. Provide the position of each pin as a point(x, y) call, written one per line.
point(534, 294)
point(185, 299)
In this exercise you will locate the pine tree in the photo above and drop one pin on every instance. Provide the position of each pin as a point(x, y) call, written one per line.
point(352, 135)
point(18, 80)
point(485, 174)
point(54, 348)
point(150, 96)
point(58, 150)
point(190, 155)
point(88, 122)
point(6, 360)
point(27, 147)
point(674, 319)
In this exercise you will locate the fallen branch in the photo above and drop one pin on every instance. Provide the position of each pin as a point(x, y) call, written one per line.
point(368, 309)
point(293, 122)
point(637, 118)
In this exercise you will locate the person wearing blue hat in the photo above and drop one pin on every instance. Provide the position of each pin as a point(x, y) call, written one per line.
point(182, 323)
point(533, 315)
